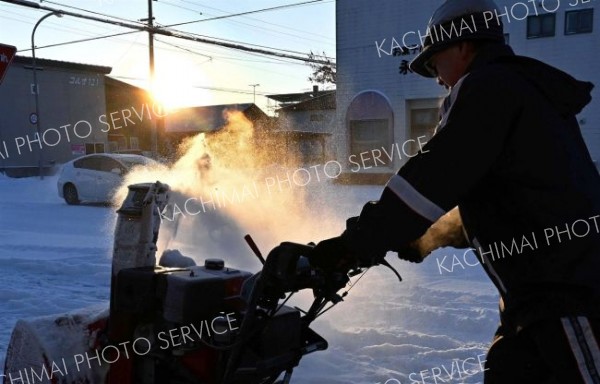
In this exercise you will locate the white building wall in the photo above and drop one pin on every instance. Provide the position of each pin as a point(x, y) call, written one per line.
point(365, 33)
point(321, 121)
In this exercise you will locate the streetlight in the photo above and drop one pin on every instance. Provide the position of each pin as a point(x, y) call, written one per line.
point(254, 91)
point(35, 85)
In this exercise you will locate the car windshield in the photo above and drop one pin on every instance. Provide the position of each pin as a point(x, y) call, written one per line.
point(132, 161)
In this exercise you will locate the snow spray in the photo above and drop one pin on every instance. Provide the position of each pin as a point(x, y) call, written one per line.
point(232, 182)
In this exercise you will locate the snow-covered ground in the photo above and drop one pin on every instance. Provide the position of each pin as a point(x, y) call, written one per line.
point(431, 328)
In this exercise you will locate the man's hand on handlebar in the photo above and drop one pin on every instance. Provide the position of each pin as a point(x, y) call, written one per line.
point(332, 255)
point(348, 251)
point(364, 243)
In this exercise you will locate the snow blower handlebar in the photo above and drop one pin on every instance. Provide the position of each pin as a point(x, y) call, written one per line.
point(286, 271)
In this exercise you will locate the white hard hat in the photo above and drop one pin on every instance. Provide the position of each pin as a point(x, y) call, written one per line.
point(454, 21)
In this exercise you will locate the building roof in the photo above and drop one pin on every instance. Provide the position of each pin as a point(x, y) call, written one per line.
point(26, 61)
point(293, 98)
point(122, 84)
point(208, 118)
point(326, 100)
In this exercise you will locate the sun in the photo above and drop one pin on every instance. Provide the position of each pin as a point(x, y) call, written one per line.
point(175, 84)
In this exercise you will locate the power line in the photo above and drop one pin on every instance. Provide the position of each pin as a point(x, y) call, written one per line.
point(249, 12)
point(184, 49)
point(171, 33)
point(31, 19)
point(263, 21)
point(303, 37)
point(219, 89)
point(276, 32)
point(59, 27)
point(196, 11)
point(238, 42)
point(227, 60)
point(180, 7)
point(285, 6)
point(243, 14)
point(281, 61)
point(76, 41)
point(87, 33)
point(170, 44)
point(92, 12)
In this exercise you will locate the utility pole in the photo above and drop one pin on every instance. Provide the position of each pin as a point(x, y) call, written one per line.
point(155, 124)
point(151, 42)
point(254, 91)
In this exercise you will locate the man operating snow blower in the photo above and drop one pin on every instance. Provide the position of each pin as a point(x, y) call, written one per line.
point(508, 152)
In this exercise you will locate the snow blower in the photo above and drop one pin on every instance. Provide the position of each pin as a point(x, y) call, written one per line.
point(179, 325)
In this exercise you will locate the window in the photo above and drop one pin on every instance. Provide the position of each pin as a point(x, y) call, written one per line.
point(580, 21)
point(541, 25)
point(94, 148)
point(119, 140)
point(422, 123)
point(130, 162)
point(367, 135)
point(370, 122)
point(107, 165)
point(134, 143)
point(79, 163)
point(92, 163)
point(99, 147)
point(311, 149)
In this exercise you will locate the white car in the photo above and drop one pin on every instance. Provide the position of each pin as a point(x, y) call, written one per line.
point(94, 178)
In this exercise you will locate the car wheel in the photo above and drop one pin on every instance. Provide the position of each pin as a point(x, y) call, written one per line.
point(70, 194)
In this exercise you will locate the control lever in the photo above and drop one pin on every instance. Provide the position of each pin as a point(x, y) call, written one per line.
point(384, 262)
point(254, 248)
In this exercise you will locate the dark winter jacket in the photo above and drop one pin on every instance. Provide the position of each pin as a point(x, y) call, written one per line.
point(509, 153)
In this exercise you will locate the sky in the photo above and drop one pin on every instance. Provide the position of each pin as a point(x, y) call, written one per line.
point(187, 73)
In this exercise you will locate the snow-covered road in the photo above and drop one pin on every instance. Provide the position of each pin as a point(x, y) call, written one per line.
point(431, 328)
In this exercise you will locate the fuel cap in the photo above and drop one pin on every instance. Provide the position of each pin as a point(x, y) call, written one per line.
point(214, 264)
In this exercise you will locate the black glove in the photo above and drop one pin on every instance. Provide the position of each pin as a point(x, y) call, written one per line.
point(365, 242)
point(361, 244)
point(371, 233)
point(410, 253)
point(332, 255)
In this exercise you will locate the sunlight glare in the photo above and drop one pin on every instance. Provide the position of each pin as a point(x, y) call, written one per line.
point(174, 84)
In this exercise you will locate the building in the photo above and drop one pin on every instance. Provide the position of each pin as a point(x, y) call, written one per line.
point(132, 116)
point(186, 122)
point(211, 118)
point(305, 122)
point(71, 112)
point(381, 105)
